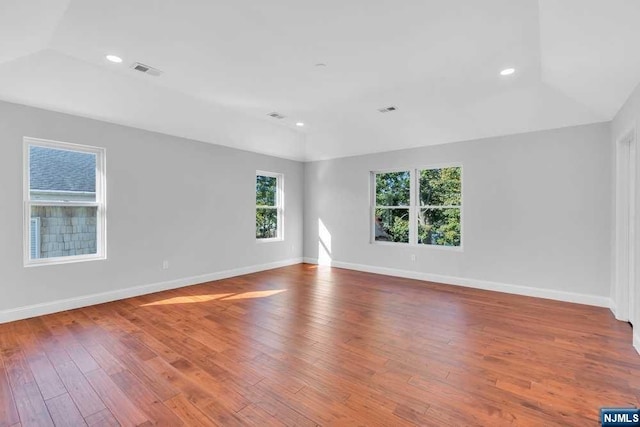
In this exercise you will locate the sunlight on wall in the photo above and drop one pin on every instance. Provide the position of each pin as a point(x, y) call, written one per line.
point(324, 244)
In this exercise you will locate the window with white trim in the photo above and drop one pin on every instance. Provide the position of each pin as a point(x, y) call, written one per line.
point(269, 206)
point(392, 206)
point(418, 206)
point(64, 202)
point(440, 199)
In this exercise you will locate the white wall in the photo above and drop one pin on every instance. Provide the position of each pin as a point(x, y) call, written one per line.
point(169, 198)
point(536, 214)
point(625, 121)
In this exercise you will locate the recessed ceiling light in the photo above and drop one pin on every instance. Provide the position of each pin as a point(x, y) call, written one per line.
point(114, 58)
point(507, 71)
point(299, 124)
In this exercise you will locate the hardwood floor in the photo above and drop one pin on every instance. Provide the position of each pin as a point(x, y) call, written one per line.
point(307, 345)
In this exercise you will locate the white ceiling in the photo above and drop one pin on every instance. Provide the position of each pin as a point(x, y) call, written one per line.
point(227, 64)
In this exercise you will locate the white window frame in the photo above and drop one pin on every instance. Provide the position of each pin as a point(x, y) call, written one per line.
point(410, 207)
point(99, 204)
point(414, 206)
point(279, 206)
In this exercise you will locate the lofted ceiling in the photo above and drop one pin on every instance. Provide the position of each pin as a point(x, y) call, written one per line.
point(226, 65)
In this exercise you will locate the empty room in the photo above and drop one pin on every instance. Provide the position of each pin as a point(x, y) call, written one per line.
point(294, 213)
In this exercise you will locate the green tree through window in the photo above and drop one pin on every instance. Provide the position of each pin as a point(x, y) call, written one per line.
point(440, 194)
point(428, 212)
point(393, 197)
point(267, 207)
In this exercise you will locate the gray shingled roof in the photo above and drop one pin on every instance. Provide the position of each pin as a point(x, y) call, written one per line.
point(62, 170)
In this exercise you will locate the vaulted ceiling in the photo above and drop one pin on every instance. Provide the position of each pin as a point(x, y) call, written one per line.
point(226, 65)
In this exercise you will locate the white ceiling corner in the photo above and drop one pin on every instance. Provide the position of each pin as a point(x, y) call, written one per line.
point(589, 50)
point(26, 26)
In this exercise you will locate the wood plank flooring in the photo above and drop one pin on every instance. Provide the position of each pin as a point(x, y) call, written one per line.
point(306, 346)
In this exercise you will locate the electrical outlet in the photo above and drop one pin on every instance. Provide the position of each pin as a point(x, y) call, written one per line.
point(165, 265)
point(413, 257)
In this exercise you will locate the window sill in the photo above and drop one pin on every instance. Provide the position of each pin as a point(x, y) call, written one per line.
point(270, 240)
point(62, 260)
point(419, 245)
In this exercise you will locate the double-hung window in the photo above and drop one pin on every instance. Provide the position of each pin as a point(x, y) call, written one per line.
point(392, 206)
point(269, 206)
point(418, 206)
point(64, 202)
point(440, 205)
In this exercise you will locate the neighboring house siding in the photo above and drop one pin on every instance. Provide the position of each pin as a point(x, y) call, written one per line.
point(66, 231)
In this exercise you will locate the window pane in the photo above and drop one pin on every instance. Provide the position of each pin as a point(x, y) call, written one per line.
point(266, 190)
point(440, 187)
point(266, 223)
point(63, 231)
point(392, 225)
point(61, 175)
point(393, 189)
point(439, 227)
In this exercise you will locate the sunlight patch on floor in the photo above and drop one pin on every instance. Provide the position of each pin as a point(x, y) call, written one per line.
point(191, 299)
point(255, 294)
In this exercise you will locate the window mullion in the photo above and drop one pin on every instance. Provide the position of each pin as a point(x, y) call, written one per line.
point(440, 207)
point(64, 204)
point(372, 210)
point(280, 183)
point(413, 201)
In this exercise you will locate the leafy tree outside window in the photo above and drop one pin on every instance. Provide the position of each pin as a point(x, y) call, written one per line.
point(392, 213)
point(418, 206)
point(268, 206)
point(440, 194)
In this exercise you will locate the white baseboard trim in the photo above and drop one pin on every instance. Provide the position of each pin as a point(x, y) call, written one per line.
point(636, 340)
point(87, 300)
point(614, 308)
point(577, 298)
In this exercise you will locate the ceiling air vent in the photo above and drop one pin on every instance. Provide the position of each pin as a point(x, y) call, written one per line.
point(145, 69)
point(276, 115)
point(387, 109)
